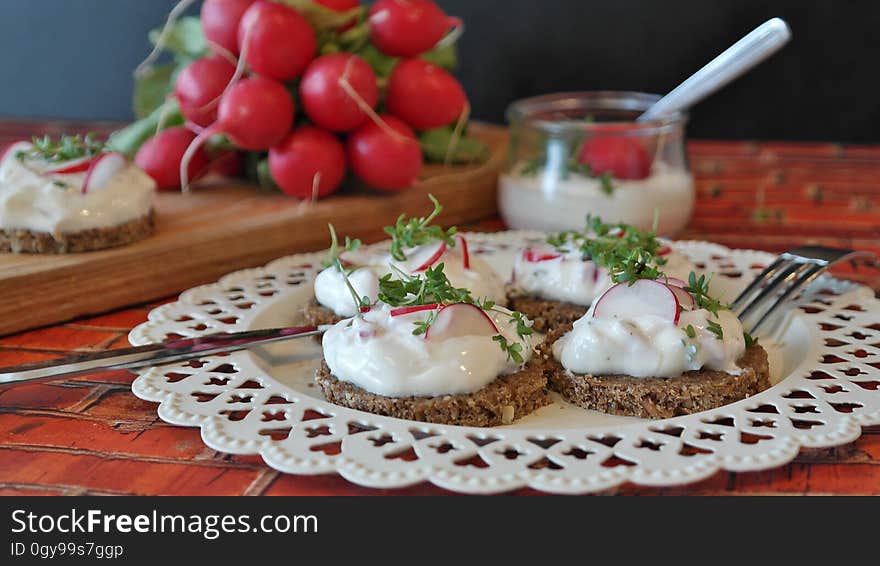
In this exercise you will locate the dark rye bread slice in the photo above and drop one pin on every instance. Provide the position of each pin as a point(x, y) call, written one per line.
point(553, 318)
point(660, 398)
point(28, 241)
point(507, 398)
point(316, 315)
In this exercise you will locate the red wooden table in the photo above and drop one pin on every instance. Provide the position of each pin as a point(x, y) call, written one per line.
point(90, 435)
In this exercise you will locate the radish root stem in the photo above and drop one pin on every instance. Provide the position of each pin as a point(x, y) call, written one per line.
point(456, 134)
point(147, 64)
point(240, 68)
point(362, 104)
point(452, 36)
point(163, 115)
point(197, 143)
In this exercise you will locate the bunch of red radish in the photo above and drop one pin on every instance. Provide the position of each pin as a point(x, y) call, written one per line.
point(264, 51)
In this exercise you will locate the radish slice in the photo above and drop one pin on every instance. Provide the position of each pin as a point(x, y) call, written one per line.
point(104, 168)
point(432, 259)
point(644, 297)
point(400, 311)
point(674, 282)
point(534, 256)
point(461, 319)
point(75, 166)
point(665, 250)
point(465, 256)
point(685, 299)
point(366, 309)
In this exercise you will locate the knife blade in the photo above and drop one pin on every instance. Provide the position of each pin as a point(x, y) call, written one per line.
point(162, 353)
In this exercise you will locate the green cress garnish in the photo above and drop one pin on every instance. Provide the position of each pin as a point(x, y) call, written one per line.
point(626, 252)
point(699, 288)
point(335, 250)
point(412, 232)
point(433, 287)
point(629, 254)
point(66, 148)
point(334, 261)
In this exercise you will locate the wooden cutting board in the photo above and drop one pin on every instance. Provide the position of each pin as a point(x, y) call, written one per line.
point(222, 228)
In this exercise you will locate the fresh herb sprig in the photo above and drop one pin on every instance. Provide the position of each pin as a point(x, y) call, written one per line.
point(626, 252)
point(750, 340)
point(411, 232)
point(410, 290)
point(66, 148)
point(715, 329)
point(351, 245)
point(699, 288)
point(435, 288)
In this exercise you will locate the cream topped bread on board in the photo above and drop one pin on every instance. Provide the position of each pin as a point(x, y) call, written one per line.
point(416, 245)
point(428, 351)
point(657, 347)
point(71, 196)
point(555, 282)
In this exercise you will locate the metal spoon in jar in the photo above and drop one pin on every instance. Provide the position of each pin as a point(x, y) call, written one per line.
point(762, 42)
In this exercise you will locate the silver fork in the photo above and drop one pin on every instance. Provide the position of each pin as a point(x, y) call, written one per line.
point(792, 270)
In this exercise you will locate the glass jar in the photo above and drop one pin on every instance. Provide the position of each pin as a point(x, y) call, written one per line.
point(582, 153)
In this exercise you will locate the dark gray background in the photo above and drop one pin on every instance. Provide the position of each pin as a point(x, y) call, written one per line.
point(73, 58)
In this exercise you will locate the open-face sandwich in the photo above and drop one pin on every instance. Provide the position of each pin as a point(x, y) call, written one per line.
point(657, 347)
point(428, 351)
point(71, 196)
point(416, 245)
point(554, 283)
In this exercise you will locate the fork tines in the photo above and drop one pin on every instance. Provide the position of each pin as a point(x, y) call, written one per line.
point(792, 270)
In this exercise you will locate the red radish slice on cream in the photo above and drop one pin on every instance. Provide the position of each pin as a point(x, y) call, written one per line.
point(465, 255)
point(644, 297)
point(104, 168)
point(435, 254)
point(665, 250)
point(366, 309)
point(400, 311)
point(673, 282)
point(461, 319)
point(75, 166)
point(685, 299)
point(534, 256)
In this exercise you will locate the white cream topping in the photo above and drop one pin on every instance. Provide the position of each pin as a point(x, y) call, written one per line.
point(32, 199)
point(569, 278)
point(379, 353)
point(650, 345)
point(546, 201)
point(332, 292)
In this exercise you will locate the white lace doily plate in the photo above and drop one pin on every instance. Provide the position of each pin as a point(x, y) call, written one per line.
point(825, 361)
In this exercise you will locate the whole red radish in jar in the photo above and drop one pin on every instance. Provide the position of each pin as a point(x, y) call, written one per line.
point(385, 156)
point(280, 40)
point(161, 155)
point(336, 88)
point(198, 88)
point(220, 19)
point(341, 6)
point(624, 157)
point(424, 95)
point(406, 28)
point(309, 164)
